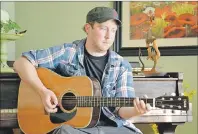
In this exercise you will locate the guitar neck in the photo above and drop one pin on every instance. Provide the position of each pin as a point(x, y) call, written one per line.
point(94, 101)
point(164, 102)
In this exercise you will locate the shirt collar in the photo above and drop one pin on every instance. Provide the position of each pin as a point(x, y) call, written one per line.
point(114, 58)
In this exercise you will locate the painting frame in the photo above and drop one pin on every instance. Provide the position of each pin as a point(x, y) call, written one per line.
point(189, 50)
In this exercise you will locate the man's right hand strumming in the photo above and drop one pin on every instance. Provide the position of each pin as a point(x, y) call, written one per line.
point(49, 100)
point(28, 74)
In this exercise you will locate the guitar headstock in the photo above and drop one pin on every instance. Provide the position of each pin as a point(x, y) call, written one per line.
point(172, 102)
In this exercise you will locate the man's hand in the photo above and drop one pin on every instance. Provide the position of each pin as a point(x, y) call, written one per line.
point(49, 100)
point(140, 106)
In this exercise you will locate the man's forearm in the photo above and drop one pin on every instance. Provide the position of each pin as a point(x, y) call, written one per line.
point(128, 112)
point(27, 73)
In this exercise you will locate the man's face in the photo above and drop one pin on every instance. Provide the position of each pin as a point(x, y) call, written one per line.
point(102, 35)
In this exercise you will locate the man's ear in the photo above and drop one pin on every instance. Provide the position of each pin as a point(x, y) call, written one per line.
point(87, 27)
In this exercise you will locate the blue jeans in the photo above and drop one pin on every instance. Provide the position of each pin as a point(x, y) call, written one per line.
point(66, 129)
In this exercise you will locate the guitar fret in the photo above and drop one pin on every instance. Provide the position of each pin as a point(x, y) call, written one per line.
point(82, 101)
point(111, 101)
point(115, 102)
point(90, 101)
point(100, 102)
point(124, 102)
point(103, 101)
point(97, 101)
point(107, 101)
point(87, 99)
point(77, 101)
point(94, 102)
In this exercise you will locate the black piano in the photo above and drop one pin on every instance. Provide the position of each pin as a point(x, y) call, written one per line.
point(153, 86)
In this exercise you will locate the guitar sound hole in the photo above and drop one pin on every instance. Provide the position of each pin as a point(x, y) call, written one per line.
point(69, 101)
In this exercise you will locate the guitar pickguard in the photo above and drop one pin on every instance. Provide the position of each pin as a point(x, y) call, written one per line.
point(60, 116)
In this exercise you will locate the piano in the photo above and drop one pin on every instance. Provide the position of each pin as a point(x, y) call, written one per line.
point(153, 86)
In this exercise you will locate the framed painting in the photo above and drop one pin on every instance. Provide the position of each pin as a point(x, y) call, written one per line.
point(175, 27)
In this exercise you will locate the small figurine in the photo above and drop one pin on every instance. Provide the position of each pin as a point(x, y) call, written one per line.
point(153, 51)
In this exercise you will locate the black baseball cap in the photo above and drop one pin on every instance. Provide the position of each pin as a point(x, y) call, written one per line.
point(102, 14)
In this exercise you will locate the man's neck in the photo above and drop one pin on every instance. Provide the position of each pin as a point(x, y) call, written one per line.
point(93, 52)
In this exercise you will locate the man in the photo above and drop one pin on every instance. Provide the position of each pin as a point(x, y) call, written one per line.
point(90, 56)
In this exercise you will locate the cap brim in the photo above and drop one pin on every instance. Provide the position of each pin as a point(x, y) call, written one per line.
point(101, 20)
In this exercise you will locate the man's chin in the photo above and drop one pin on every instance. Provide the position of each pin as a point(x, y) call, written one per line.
point(104, 49)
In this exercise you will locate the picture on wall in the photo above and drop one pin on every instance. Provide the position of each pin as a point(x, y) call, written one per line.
point(175, 26)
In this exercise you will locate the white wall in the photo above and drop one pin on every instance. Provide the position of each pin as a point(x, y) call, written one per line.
point(10, 8)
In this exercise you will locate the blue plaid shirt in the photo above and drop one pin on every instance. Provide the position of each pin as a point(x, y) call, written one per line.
point(117, 80)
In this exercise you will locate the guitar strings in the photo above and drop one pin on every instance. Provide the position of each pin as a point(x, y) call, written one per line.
point(98, 98)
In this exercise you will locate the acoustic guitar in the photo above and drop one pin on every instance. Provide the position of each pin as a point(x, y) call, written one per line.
point(80, 103)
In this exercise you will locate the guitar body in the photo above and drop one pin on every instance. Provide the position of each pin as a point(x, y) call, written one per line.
point(32, 117)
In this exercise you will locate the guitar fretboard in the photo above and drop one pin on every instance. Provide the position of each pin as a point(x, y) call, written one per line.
point(94, 101)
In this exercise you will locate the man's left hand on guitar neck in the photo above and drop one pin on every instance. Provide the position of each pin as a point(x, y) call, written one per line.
point(140, 108)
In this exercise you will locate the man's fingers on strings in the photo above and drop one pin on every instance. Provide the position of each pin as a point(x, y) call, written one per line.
point(143, 106)
point(148, 106)
point(138, 105)
point(135, 105)
point(54, 100)
point(51, 102)
point(48, 104)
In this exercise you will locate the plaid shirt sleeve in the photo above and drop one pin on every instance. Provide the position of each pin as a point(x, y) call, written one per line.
point(50, 57)
point(124, 86)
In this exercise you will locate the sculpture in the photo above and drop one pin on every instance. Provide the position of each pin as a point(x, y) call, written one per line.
point(153, 51)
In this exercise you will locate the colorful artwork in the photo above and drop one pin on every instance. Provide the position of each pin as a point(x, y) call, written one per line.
point(171, 19)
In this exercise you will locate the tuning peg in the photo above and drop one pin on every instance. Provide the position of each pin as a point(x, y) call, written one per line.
point(179, 107)
point(173, 94)
point(181, 94)
point(165, 94)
